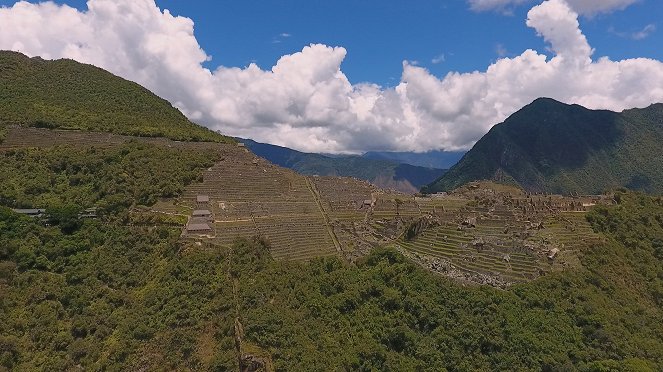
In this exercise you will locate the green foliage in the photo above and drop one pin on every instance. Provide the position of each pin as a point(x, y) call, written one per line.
point(65, 216)
point(551, 147)
point(99, 294)
point(636, 225)
point(69, 95)
point(388, 314)
point(64, 178)
point(109, 297)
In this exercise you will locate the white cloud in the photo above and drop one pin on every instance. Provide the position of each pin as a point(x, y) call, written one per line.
point(306, 102)
point(644, 33)
point(584, 7)
point(281, 37)
point(438, 59)
point(501, 50)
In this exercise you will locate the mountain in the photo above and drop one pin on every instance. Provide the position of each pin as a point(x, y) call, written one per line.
point(382, 173)
point(430, 159)
point(66, 94)
point(549, 146)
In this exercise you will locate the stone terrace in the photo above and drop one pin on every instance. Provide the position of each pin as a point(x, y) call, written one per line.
point(483, 232)
point(250, 196)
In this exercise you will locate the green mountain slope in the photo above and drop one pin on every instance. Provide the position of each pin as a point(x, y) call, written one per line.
point(69, 95)
point(383, 173)
point(552, 147)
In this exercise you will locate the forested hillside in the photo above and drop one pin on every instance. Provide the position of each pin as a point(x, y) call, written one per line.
point(111, 179)
point(552, 147)
point(108, 295)
point(70, 95)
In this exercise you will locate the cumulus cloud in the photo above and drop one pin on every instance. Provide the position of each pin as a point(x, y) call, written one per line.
point(584, 7)
point(305, 101)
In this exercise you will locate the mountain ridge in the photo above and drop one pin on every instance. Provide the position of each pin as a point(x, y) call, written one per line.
point(383, 173)
point(66, 94)
point(549, 146)
point(429, 159)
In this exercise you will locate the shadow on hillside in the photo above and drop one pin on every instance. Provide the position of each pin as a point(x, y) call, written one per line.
point(556, 136)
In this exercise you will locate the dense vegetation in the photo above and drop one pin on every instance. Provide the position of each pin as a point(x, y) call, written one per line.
point(383, 173)
point(106, 295)
point(112, 179)
point(551, 147)
point(69, 95)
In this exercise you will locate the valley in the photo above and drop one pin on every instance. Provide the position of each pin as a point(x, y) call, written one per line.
point(385, 173)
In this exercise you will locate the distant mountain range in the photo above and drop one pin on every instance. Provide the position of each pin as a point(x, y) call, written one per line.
point(429, 159)
point(549, 146)
point(383, 173)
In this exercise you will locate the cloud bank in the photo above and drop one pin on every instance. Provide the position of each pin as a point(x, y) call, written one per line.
point(306, 102)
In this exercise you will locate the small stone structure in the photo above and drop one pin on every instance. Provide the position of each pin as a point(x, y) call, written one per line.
point(198, 228)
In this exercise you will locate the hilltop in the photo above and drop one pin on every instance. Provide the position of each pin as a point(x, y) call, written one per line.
point(66, 94)
point(549, 146)
point(384, 173)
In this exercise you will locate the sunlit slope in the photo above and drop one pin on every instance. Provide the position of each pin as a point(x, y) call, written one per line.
point(66, 94)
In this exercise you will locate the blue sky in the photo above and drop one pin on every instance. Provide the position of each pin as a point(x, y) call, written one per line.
point(380, 34)
point(329, 76)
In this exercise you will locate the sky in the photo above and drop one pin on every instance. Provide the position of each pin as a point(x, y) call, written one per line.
point(349, 76)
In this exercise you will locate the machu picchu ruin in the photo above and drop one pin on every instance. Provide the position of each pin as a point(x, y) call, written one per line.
point(483, 232)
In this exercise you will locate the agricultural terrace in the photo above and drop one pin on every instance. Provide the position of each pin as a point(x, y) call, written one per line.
point(482, 232)
point(249, 196)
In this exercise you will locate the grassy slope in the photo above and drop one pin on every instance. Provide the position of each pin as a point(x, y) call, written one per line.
point(70, 95)
point(552, 147)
